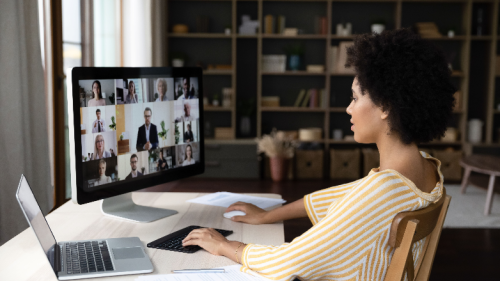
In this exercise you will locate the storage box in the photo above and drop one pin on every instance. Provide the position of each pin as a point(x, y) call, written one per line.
point(344, 163)
point(309, 164)
point(222, 133)
point(270, 101)
point(450, 163)
point(371, 159)
point(310, 134)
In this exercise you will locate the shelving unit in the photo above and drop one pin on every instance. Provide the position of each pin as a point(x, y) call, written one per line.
point(249, 81)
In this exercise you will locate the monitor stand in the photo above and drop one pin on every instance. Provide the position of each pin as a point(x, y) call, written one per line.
point(122, 206)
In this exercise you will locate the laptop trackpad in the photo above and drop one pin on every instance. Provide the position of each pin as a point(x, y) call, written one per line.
point(128, 253)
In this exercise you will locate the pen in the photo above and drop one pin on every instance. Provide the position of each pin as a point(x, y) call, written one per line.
point(202, 270)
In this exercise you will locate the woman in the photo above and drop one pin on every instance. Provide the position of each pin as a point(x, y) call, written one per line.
point(401, 96)
point(161, 86)
point(131, 97)
point(162, 163)
point(99, 148)
point(188, 160)
point(97, 99)
point(103, 179)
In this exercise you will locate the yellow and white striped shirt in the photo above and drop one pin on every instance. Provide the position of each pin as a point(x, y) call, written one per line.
point(350, 233)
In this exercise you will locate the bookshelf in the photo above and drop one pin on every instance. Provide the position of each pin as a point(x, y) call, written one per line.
point(246, 78)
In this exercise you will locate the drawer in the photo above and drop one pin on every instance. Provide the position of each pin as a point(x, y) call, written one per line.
point(230, 151)
point(232, 168)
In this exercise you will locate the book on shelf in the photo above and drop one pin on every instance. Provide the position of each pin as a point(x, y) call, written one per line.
point(269, 24)
point(270, 101)
point(334, 54)
point(305, 102)
point(320, 25)
point(280, 24)
point(300, 97)
point(314, 99)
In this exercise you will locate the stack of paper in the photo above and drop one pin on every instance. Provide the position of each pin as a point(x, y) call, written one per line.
point(225, 199)
point(232, 273)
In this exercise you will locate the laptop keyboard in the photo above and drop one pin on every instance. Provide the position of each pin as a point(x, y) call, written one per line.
point(173, 241)
point(85, 257)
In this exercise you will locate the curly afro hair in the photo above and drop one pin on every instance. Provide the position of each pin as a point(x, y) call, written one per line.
point(409, 77)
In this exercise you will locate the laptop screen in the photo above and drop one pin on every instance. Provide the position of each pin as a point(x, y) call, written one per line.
point(36, 219)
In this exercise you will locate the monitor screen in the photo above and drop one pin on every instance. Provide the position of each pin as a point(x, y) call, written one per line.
point(134, 128)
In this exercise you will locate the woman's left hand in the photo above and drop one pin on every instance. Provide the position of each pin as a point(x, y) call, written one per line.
point(207, 238)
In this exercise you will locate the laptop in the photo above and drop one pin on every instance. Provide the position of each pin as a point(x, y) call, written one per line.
point(84, 258)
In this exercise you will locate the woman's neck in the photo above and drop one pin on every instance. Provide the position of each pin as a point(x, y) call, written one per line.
point(96, 97)
point(100, 153)
point(394, 153)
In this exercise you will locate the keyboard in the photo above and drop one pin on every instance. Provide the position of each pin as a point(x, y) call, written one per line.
point(173, 241)
point(85, 257)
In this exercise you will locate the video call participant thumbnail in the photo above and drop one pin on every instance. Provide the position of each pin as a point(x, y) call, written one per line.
point(147, 137)
point(161, 86)
point(186, 88)
point(188, 134)
point(98, 125)
point(100, 148)
point(133, 165)
point(162, 162)
point(186, 117)
point(103, 179)
point(131, 96)
point(188, 158)
point(97, 99)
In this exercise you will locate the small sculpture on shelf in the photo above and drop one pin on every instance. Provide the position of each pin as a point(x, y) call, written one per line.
point(378, 25)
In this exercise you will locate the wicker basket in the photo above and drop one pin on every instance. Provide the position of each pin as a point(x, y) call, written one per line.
point(344, 163)
point(309, 164)
point(371, 159)
point(450, 163)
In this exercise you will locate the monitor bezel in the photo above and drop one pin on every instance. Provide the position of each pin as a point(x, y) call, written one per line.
point(80, 196)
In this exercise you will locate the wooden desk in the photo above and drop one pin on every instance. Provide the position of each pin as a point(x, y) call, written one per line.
point(22, 258)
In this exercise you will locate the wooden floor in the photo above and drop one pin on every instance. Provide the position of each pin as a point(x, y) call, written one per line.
point(463, 254)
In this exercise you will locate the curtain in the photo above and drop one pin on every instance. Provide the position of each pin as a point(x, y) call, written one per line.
point(23, 128)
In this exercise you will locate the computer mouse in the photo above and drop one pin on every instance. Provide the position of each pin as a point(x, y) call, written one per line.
point(231, 214)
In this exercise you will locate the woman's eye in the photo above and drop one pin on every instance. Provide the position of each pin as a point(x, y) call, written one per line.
point(353, 99)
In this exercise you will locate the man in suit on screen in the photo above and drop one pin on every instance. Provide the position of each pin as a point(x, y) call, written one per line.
point(147, 137)
point(188, 135)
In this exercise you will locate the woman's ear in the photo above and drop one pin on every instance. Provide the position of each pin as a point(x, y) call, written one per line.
point(385, 114)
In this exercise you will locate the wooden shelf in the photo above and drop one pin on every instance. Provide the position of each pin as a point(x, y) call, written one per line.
point(342, 74)
point(218, 72)
point(299, 36)
point(292, 109)
point(442, 143)
point(457, 73)
point(247, 36)
point(199, 35)
point(342, 37)
point(332, 141)
point(483, 37)
point(338, 109)
point(295, 73)
point(217, 108)
point(446, 38)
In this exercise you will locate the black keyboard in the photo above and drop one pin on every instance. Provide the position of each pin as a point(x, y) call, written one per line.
point(85, 257)
point(173, 241)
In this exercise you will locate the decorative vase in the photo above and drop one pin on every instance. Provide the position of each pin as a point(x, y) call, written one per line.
point(279, 168)
point(177, 63)
point(245, 125)
point(294, 62)
point(378, 28)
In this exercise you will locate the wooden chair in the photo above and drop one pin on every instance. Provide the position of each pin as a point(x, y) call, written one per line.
point(409, 227)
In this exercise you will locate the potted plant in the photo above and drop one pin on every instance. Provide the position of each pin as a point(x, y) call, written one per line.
point(113, 124)
point(215, 100)
point(163, 133)
point(246, 108)
point(295, 56)
point(280, 149)
point(378, 25)
point(177, 133)
point(178, 59)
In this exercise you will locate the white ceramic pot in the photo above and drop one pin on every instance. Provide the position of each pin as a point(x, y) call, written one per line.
point(378, 28)
point(475, 130)
point(177, 63)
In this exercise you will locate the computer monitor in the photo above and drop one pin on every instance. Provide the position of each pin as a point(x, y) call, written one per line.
point(131, 128)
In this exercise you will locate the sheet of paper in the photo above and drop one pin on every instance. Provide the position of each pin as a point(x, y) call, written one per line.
point(232, 273)
point(225, 199)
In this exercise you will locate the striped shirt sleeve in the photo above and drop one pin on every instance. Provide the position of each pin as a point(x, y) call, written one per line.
point(317, 203)
point(342, 244)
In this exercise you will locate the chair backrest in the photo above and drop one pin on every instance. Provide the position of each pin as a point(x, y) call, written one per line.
point(409, 227)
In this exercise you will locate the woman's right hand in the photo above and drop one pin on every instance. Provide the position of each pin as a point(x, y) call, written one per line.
point(254, 214)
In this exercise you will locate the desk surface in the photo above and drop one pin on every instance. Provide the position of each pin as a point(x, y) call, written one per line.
point(22, 258)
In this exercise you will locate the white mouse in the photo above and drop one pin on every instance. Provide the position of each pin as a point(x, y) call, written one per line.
point(231, 214)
